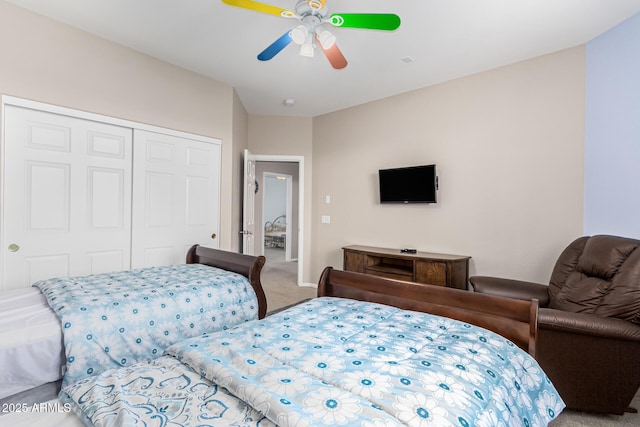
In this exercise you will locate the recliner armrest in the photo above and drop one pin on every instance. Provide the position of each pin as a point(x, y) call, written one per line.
point(588, 324)
point(509, 288)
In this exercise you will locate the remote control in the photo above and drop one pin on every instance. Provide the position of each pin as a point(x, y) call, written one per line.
point(408, 251)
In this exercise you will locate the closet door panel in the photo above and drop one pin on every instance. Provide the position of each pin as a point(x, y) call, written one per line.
point(66, 198)
point(47, 197)
point(196, 202)
point(104, 261)
point(46, 266)
point(106, 193)
point(159, 256)
point(175, 197)
point(159, 199)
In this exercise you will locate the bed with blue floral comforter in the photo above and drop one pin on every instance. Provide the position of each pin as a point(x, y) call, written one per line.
point(329, 361)
point(117, 319)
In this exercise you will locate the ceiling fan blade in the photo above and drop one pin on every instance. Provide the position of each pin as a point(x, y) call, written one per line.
point(275, 47)
point(370, 21)
point(335, 56)
point(260, 7)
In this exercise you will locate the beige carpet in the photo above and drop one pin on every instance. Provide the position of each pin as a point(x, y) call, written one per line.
point(581, 419)
point(279, 282)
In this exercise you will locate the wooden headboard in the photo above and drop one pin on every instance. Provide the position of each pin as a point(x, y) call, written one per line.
point(247, 265)
point(515, 320)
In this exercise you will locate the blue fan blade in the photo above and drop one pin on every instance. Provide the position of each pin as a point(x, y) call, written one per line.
point(276, 47)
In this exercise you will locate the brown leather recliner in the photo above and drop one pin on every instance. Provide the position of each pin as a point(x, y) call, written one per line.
point(588, 323)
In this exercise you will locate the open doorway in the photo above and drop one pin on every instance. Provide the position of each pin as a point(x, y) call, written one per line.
point(253, 223)
point(282, 274)
point(279, 226)
point(277, 212)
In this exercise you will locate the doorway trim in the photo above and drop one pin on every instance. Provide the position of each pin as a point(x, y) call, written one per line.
point(300, 161)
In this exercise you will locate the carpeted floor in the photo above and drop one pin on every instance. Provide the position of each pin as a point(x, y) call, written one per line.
point(279, 281)
point(581, 419)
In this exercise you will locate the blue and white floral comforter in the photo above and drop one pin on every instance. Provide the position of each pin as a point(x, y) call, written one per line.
point(117, 319)
point(330, 362)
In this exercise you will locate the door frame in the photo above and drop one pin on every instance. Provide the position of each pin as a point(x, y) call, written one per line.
point(300, 161)
point(80, 114)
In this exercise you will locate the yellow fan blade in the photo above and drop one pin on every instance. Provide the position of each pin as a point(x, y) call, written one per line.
point(260, 7)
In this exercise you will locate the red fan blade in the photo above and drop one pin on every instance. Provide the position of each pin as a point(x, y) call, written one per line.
point(335, 56)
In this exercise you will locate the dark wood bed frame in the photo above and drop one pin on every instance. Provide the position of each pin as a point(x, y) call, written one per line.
point(247, 265)
point(515, 320)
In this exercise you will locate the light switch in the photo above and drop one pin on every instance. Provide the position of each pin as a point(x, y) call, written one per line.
point(327, 199)
point(326, 219)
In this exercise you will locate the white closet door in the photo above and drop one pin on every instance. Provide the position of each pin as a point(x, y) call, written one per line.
point(176, 187)
point(67, 197)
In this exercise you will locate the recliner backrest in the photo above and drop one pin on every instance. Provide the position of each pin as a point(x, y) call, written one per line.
point(598, 275)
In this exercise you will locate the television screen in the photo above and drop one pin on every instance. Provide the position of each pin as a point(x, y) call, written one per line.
point(417, 184)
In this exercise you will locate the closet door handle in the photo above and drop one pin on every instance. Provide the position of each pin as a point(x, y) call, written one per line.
point(13, 247)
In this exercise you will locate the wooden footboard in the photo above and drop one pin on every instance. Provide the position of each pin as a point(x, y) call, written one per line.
point(247, 265)
point(516, 320)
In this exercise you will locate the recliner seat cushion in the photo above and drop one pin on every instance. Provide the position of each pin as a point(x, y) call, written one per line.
point(598, 275)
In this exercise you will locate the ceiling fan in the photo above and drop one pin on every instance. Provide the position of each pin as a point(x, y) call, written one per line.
point(312, 31)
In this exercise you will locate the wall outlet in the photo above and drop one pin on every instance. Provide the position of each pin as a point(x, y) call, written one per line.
point(326, 219)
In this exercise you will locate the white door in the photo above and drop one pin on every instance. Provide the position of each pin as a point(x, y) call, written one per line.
point(66, 197)
point(248, 206)
point(176, 189)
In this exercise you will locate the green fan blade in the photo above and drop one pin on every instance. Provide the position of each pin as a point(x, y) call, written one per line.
point(370, 21)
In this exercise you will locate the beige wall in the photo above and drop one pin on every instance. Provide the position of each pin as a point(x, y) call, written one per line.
point(289, 136)
point(46, 61)
point(508, 144)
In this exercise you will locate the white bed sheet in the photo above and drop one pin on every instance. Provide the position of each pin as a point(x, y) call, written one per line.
point(31, 345)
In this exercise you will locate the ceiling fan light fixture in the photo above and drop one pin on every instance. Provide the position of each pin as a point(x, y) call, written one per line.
point(308, 47)
point(299, 34)
point(325, 38)
point(317, 4)
point(307, 50)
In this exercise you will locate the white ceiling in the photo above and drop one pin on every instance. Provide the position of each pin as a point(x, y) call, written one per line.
point(446, 39)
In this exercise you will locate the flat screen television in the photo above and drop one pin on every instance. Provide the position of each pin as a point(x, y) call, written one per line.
point(416, 184)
